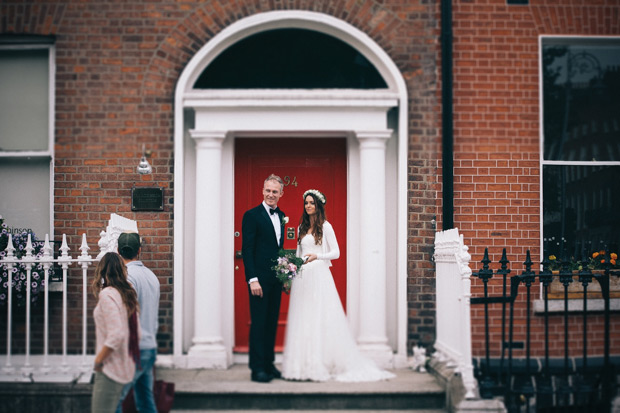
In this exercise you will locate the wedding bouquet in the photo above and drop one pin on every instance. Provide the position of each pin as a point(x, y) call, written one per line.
point(288, 266)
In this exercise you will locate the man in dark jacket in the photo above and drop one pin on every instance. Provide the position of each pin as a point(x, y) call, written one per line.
point(262, 229)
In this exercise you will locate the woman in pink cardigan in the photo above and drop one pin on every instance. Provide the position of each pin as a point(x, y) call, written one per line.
point(116, 324)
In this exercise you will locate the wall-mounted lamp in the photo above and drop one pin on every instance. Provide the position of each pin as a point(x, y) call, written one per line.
point(144, 167)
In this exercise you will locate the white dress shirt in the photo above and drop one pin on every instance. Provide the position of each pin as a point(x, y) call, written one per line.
point(275, 220)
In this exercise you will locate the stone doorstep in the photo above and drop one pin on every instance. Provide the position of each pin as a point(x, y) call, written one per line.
point(232, 389)
point(237, 380)
point(318, 411)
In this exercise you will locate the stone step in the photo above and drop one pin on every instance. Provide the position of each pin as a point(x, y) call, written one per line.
point(313, 411)
point(232, 390)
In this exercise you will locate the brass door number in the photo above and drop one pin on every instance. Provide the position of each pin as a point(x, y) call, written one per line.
point(290, 233)
point(290, 181)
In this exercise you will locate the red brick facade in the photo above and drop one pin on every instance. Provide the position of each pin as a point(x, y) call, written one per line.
point(117, 67)
point(497, 137)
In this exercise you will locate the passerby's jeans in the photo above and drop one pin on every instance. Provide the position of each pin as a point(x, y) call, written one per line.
point(142, 384)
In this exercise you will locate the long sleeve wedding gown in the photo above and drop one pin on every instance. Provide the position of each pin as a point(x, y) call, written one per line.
point(318, 343)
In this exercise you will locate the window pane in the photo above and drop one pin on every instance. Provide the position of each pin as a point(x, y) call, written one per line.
point(24, 99)
point(581, 99)
point(25, 194)
point(290, 59)
point(581, 208)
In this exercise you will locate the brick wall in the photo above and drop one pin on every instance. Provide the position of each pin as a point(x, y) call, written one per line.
point(117, 66)
point(419, 68)
point(496, 144)
point(118, 63)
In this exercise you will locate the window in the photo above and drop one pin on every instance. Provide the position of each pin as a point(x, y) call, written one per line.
point(290, 59)
point(580, 159)
point(26, 132)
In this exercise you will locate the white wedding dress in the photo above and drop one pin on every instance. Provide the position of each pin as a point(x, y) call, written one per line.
point(318, 344)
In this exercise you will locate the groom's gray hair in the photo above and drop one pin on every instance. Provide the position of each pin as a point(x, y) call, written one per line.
point(274, 177)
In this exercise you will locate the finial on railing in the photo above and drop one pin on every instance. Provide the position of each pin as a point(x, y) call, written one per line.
point(485, 260)
point(64, 248)
point(10, 249)
point(27, 258)
point(84, 257)
point(84, 247)
point(47, 248)
point(47, 253)
point(545, 276)
point(566, 274)
point(585, 275)
point(528, 276)
point(528, 261)
point(504, 261)
point(485, 273)
point(29, 246)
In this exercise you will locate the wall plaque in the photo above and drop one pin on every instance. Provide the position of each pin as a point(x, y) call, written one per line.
point(147, 199)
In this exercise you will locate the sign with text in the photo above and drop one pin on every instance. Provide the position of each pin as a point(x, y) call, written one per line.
point(147, 199)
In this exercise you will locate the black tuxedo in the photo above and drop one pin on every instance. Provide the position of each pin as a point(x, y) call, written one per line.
point(260, 248)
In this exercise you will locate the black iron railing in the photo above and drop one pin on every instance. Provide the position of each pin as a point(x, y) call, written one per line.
point(550, 384)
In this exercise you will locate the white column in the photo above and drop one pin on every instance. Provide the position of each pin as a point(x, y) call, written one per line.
point(372, 337)
point(208, 350)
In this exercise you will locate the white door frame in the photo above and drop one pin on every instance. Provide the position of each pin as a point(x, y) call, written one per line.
point(206, 124)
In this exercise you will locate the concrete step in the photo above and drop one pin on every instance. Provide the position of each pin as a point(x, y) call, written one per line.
point(232, 390)
point(312, 411)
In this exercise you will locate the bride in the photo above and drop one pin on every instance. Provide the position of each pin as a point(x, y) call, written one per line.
point(318, 344)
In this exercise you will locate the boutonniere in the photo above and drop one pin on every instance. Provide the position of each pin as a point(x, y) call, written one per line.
point(284, 220)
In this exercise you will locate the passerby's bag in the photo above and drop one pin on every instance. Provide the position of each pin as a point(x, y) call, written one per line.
point(164, 395)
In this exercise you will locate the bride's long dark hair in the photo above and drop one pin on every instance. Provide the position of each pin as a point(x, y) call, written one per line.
point(304, 221)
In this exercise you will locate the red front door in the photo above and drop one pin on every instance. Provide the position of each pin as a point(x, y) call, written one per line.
point(303, 164)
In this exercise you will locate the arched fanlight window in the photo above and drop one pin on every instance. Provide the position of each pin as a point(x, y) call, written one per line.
point(290, 59)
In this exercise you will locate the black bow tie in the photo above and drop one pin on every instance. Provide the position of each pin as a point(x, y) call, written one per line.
point(272, 211)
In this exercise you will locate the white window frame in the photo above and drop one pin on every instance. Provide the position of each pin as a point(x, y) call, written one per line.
point(575, 304)
point(49, 152)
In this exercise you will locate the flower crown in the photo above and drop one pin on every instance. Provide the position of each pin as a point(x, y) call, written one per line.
point(316, 193)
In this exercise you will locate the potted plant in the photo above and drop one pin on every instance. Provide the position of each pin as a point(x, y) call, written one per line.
point(600, 260)
point(596, 262)
point(18, 273)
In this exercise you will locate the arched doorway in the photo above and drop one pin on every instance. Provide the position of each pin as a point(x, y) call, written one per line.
point(207, 124)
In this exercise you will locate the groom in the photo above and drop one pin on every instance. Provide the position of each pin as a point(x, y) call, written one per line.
point(262, 239)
